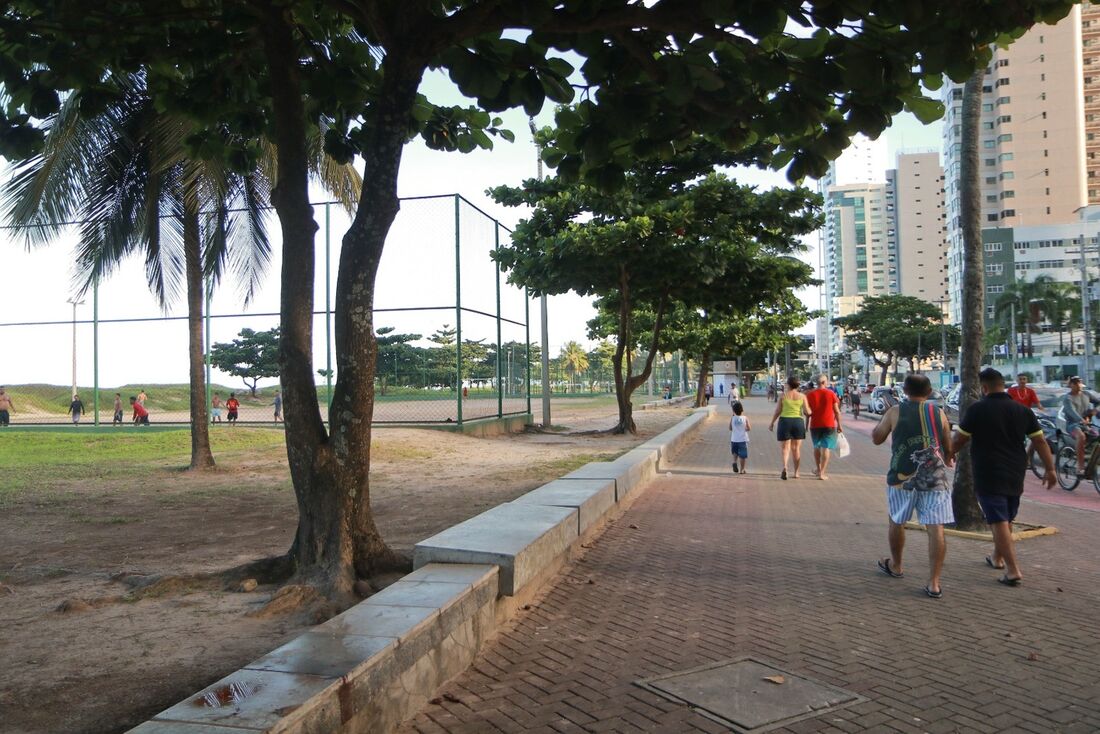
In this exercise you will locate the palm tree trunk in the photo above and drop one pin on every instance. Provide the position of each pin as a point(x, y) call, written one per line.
point(704, 373)
point(967, 513)
point(337, 539)
point(201, 456)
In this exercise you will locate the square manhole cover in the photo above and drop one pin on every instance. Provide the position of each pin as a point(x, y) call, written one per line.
point(739, 694)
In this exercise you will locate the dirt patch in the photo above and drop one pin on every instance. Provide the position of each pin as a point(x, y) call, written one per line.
point(79, 655)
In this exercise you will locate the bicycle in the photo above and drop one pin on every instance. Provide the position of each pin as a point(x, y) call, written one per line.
point(1065, 464)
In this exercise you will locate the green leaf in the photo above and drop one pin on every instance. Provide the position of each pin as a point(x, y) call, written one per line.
point(924, 109)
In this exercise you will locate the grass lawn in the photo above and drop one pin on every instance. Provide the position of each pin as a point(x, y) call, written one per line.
point(30, 458)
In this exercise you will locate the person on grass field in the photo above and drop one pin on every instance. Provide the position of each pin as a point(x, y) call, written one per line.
point(995, 428)
point(917, 478)
point(824, 424)
point(141, 415)
point(739, 438)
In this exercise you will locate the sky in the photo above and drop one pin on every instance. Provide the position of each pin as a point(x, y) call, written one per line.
point(417, 272)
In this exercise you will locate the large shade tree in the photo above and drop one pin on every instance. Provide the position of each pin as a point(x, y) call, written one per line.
point(797, 78)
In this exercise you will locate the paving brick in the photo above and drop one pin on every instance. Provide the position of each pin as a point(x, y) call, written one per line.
point(718, 566)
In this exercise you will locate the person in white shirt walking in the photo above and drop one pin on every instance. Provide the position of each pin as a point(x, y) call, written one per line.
point(739, 438)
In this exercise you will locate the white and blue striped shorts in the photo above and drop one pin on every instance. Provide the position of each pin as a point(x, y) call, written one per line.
point(933, 508)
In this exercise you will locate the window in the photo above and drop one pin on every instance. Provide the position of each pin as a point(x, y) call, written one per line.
point(993, 246)
point(1008, 194)
point(987, 126)
point(991, 161)
point(1007, 174)
point(987, 107)
point(994, 289)
point(1008, 213)
point(994, 268)
point(1003, 119)
point(991, 217)
point(1005, 157)
point(1002, 82)
point(986, 89)
point(991, 179)
point(988, 143)
point(991, 199)
point(1006, 138)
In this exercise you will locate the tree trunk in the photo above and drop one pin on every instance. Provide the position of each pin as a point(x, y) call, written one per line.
point(968, 515)
point(336, 539)
point(885, 371)
point(201, 457)
point(704, 373)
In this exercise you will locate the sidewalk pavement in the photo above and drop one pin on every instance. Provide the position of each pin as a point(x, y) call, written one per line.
point(710, 566)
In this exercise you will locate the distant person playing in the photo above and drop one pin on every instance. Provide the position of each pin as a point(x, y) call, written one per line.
point(141, 415)
point(142, 397)
point(791, 412)
point(216, 408)
point(917, 478)
point(231, 407)
point(708, 393)
point(76, 408)
point(278, 406)
point(1076, 409)
point(824, 424)
point(7, 407)
point(739, 438)
point(116, 420)
point(995, 427)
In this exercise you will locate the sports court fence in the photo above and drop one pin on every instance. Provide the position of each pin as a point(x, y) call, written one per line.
point(454, 341)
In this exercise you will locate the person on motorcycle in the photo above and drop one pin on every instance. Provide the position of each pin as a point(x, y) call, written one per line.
point(1076, 409)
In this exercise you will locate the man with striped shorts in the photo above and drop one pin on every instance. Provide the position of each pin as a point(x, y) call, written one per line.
point(917, 478)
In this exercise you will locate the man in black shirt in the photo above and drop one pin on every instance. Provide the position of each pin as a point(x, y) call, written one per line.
point(997, 426)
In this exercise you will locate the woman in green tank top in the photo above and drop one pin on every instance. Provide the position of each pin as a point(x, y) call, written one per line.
point(791, 413)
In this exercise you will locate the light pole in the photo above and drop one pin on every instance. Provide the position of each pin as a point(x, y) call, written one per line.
point(74, 303)
point(1015, 346)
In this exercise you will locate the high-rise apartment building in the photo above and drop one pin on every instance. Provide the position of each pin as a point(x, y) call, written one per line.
point(1038, 97)
point(882, 236)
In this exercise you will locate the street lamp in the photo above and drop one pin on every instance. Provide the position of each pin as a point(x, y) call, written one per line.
point(74, 303)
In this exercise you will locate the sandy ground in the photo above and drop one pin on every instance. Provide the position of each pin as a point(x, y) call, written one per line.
point(104, 666)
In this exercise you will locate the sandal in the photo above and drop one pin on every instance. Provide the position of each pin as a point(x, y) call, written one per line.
point(884, 566)
point(989, 562)
point(933, 594)
point(1009, 582)
point(783, 475)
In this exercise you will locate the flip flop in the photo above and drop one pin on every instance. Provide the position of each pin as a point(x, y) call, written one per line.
point(989, 562)
point(933, 594)
point(884, 566)
point(783, 475)
point(1009, 582)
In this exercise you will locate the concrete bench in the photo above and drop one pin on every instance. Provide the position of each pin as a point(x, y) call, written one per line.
point(521, 538)
point(592, 498)
point(354, 672)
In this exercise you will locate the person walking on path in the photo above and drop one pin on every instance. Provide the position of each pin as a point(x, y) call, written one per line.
point(7, 407)
point(278, 406)
point(853, 398)
point(790, 412)
point(1076, 408)
point(824, 424)
point(116, 419)
point(995, 428)
point(76, 408)
point(917, 478)
point(739, 438)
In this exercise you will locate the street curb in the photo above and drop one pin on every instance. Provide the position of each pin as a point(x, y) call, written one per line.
point(1030, 531)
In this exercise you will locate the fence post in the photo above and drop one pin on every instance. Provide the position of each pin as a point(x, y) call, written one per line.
point(527, 344)
point(328, 311)
point(95, 349)
point(500, 343)
point(458, 309)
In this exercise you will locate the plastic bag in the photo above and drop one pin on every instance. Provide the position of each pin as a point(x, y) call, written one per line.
point(842, 447)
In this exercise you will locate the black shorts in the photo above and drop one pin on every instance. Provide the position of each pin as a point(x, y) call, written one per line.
point(791, 429)
point(998, 507)
point(231, 415)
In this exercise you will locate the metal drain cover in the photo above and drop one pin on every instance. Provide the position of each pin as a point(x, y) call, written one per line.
point(737, 693)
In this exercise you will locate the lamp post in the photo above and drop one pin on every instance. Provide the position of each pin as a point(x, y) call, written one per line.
point(74, 303)
point(543, 307)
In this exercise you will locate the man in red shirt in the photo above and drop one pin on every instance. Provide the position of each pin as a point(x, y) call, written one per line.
point(1023, 394)
point(141, 415)
point(824, 423)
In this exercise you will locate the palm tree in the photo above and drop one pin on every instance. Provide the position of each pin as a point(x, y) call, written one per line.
point(128, 175)
point(574, 359)
point(1059, 302)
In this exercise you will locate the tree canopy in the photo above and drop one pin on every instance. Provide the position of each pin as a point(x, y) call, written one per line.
point(252, 356)
point(897, 327)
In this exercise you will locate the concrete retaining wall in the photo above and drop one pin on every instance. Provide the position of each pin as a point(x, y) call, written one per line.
point(375, 665)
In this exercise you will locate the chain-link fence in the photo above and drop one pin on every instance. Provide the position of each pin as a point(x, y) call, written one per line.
point(578, 370)
point(453, 335)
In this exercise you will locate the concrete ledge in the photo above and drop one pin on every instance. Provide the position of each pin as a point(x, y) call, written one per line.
point(521, 538)
point(355, 669)
point(668, 442)
point(592, 498)
point(629, 472)
point(678, 400)
point(477, 427)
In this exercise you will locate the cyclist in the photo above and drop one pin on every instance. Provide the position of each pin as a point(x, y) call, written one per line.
point(1076, 409)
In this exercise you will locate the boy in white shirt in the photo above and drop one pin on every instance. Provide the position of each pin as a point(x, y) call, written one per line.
point(739, 438)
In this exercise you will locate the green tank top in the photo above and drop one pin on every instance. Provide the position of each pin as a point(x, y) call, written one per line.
point(792, 408)
point(916, 429)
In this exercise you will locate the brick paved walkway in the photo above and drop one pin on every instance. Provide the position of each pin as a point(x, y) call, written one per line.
point(708, 566)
